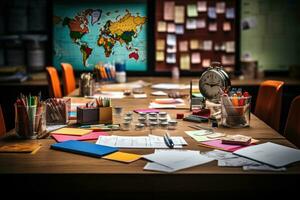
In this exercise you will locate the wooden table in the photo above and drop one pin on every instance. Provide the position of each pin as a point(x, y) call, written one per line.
point(50, 170)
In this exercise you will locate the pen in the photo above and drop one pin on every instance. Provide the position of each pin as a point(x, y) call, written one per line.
point(205, 128)
point(169, 142)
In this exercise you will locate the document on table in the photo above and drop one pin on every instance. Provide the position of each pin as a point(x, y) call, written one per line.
point(200, 135)
point(271, 154)
point(227, 159)
point(173, 160)
point(150, 141)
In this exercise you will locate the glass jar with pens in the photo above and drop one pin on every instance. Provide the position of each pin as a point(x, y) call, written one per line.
point(235, 110)
point(30, 117)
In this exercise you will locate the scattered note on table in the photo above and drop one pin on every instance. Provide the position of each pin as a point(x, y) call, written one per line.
point(123, 157)
point(71, 131)
point(150, 141)
point(159, 93)
point(89, 136)
point(270, 153)
point(20, 148)
point(140, 96)
point(200, 135)
point(174, 160)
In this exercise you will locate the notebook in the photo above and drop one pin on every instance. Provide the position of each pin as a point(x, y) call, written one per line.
point(71, 131)
point(84, 148)
point(271, 154)
point(89, 136)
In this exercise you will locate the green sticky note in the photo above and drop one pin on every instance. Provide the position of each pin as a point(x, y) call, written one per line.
point(192, 10)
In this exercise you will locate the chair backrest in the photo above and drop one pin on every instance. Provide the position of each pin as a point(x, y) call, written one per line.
point(54, 83)
point(2, 123)
point(268, 103)
point(292, 126)
point(68, 78)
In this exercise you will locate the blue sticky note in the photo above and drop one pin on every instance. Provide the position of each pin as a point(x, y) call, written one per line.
point(212, 14)
point(84, 148)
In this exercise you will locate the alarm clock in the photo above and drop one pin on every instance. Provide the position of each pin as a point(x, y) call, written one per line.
point(212, 80)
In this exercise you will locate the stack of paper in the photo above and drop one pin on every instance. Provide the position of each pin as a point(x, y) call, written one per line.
point(89, 136)
point(271, 154)
point(151, 141)
point(174, 160)
point(167, 103)
point(227, 159)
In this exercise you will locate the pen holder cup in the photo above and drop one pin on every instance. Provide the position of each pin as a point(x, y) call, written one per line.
point(30, 122)
point(86, 116)
point(57, 110)
point(105, 115)
point(235, 111)
point(86, 88)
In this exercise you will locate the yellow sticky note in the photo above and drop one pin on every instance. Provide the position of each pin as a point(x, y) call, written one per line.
point(71, 131)
point(123, 157)
point(161, 26)
point(160, 44)
point(185, 61)
point(160, 56)
point(179, 14)
point(194, 44)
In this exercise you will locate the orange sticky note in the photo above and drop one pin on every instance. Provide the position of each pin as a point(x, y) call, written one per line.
point(72, 131)
point(123, 157)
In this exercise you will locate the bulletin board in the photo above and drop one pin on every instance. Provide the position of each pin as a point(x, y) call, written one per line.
point(190, 34)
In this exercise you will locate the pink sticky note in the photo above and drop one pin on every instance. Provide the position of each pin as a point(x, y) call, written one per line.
point(89, 136)
point(146, 110)
point(226, 147)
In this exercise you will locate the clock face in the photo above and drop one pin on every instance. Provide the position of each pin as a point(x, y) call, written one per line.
point(210, 84)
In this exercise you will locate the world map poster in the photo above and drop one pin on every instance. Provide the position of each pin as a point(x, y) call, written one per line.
point(87, 33)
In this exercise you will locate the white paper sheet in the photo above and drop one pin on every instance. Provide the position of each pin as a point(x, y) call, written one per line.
point(151, 141)
point(175, 160)
point(270, 153)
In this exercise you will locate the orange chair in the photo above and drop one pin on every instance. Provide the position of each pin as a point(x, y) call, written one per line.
point(268, 103)
point(292, 126)
point(2, 123)
point(68, 78)
point(54, 83)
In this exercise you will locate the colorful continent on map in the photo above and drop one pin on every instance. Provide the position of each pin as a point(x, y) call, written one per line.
point(122, 31)
point(78, 27)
